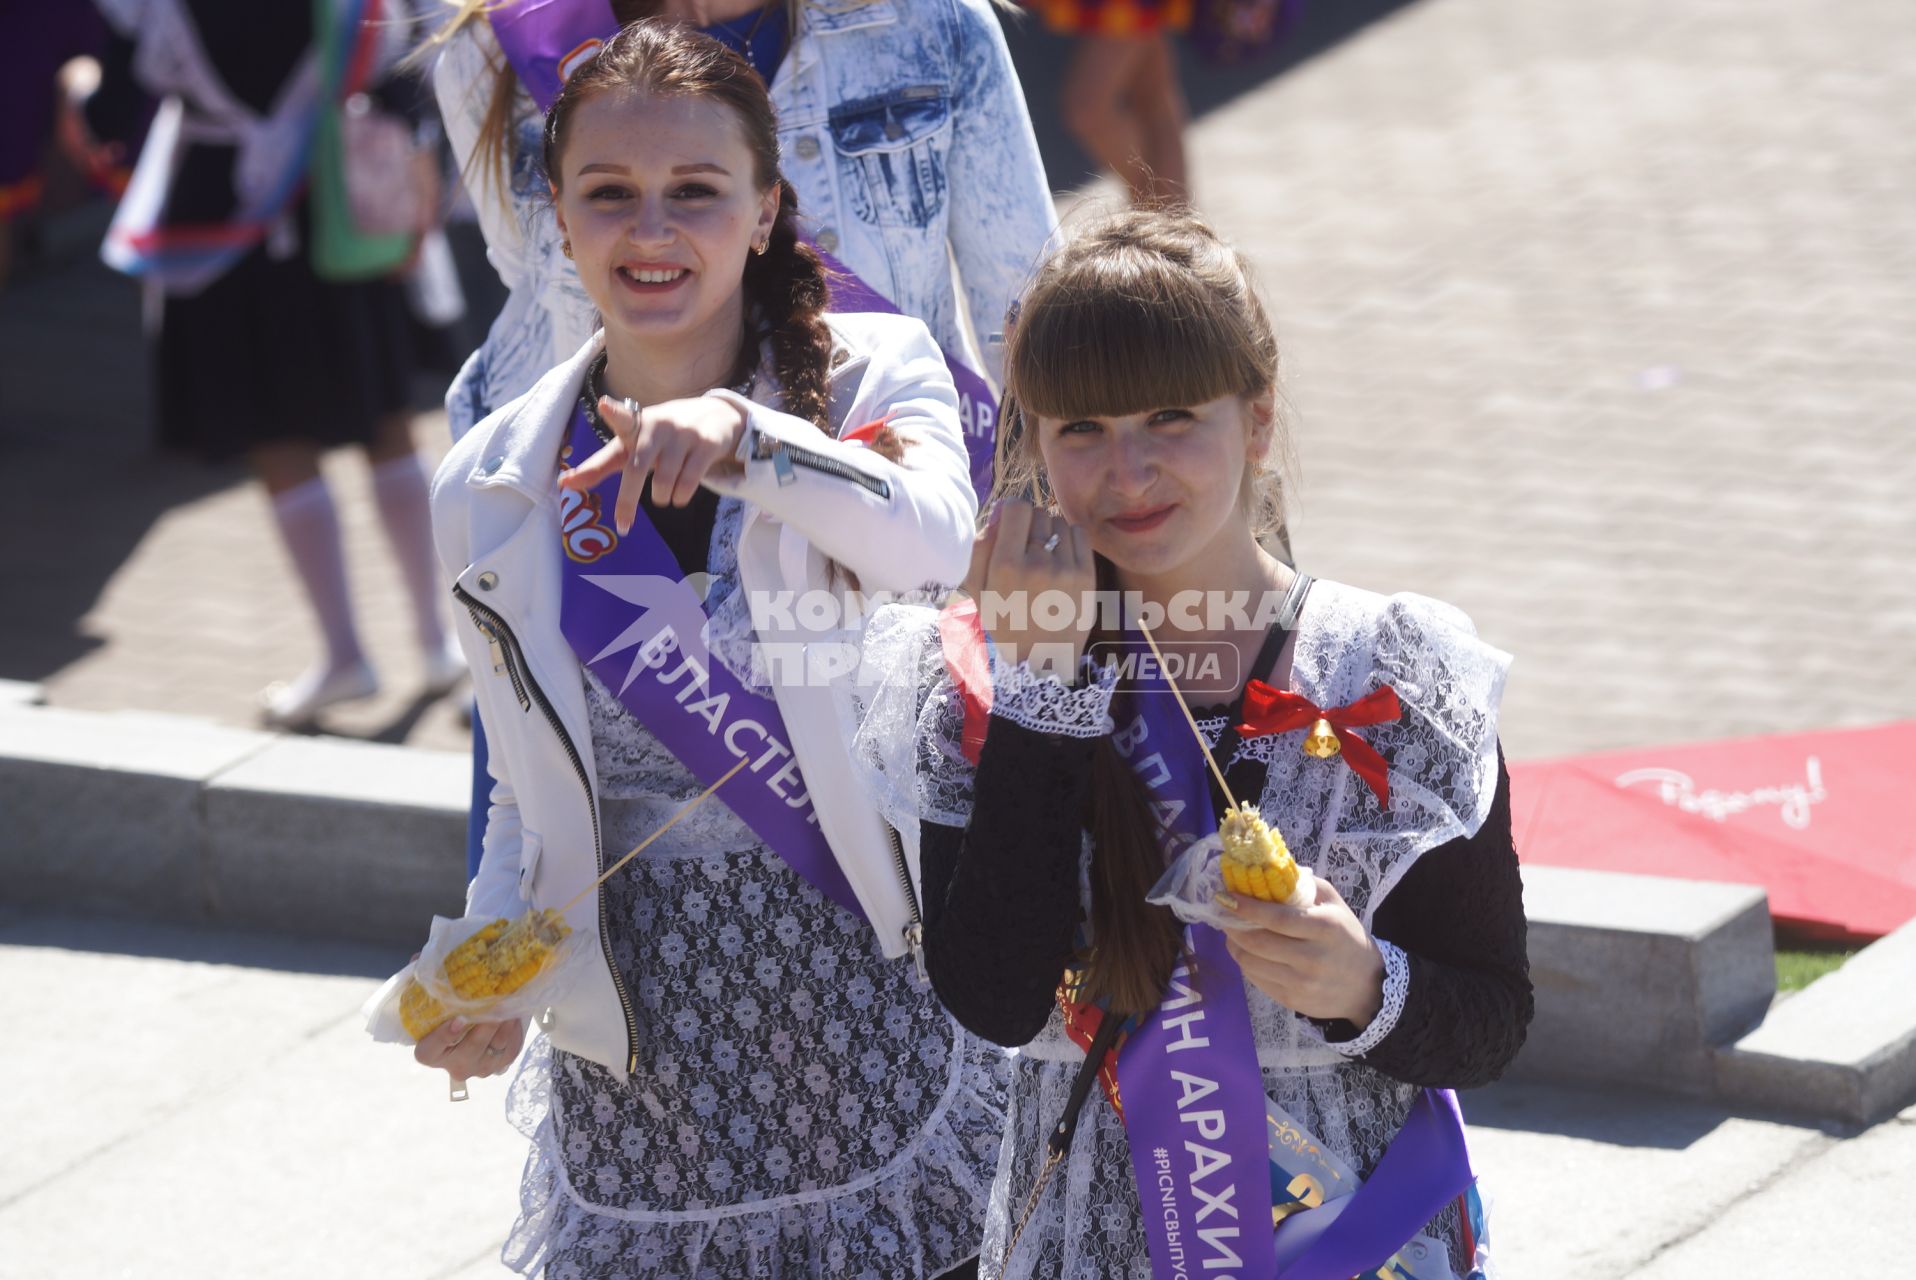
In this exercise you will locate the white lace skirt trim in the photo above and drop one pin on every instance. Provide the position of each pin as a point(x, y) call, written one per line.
point(916, 1216)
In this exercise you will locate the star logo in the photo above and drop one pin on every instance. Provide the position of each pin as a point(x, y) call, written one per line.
point(670, 616)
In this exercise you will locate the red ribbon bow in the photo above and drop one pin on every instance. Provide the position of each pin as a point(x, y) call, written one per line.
point(1269, 710)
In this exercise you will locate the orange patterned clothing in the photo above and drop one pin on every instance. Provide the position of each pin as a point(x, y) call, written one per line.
point(1113, 17)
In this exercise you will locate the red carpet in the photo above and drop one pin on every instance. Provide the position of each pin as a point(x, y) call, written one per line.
point(1820, 820)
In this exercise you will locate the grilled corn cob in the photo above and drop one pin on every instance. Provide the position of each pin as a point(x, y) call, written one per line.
point(494, 962)
point(419, 1011)
point(1256, 863)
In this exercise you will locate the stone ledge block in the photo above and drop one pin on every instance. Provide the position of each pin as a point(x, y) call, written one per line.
point(1639, 978)
point(20, 693)
point(102, 810)
point(339, 839)
point(1844, 1046)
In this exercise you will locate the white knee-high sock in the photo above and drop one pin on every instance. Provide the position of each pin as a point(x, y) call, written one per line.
point(399, 487)
point(309, 524)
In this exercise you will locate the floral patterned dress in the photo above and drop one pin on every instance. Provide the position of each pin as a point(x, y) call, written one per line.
point(801, 1107)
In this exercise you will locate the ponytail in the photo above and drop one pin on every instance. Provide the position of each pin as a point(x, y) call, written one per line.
point(1135, 943)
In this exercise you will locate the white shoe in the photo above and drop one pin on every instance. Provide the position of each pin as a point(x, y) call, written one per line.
point(293, 705)
point(444, 669)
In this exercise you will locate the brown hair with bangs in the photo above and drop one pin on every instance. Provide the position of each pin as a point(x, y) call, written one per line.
point(1142, 310)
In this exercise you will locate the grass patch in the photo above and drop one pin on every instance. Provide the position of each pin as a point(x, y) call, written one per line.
point(1797, 966)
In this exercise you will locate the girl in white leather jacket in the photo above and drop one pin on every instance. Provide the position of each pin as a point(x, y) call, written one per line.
point(745, 1077)
point(901, 125)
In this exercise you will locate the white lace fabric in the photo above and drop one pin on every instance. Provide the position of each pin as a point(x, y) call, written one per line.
point(1045, 704)
point(1443, 757)
point(800, 1107)
point(1396, 991)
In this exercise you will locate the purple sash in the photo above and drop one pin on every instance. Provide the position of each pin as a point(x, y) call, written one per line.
point(1194, 1104)
point(1193, 1095)
point(977, 406)
point(641, 630)
point(545, 40)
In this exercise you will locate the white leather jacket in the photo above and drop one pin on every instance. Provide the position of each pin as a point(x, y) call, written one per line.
point(813, 503)
point(903, 127)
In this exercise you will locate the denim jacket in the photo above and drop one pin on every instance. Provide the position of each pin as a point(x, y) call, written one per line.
point(901, 124)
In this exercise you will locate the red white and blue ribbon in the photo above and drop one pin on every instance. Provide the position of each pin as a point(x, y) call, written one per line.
point(641, 630)
point(186, 257)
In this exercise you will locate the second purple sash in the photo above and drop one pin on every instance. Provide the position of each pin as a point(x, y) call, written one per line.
point(1193, 1094)
point(642, 631)
point(1194, 1104)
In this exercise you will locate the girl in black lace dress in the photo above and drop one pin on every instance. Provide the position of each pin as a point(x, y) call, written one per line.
point(1143, 370)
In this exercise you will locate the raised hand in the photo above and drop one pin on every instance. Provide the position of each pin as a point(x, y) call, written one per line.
point(1032, 575)
point(677, 443)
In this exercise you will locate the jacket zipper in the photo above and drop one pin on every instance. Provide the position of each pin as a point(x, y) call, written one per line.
point(784, 456)
point(915, 931)
point(506, 651)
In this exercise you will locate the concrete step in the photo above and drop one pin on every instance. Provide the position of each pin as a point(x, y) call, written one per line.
point(1639, 978)
point(176, 818)
point(1844, 1046)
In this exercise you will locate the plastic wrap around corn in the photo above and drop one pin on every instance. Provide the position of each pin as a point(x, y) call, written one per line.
point(1255, 863)
point(496, 961)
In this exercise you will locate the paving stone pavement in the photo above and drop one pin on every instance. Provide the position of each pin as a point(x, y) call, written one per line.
point(1597, 322)
point(202, 1103)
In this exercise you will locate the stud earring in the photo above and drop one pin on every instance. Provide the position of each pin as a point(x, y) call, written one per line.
point(565, 247)
point(761, 247)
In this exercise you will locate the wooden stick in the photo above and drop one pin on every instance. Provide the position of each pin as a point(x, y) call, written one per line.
point(684, 809)
point(1229, 799)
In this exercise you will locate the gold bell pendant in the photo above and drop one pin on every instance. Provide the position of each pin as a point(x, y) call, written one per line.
point(1322, 741)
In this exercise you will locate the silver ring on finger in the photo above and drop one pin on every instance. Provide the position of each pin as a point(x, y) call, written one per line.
point(1051, 543)
point(632, 445)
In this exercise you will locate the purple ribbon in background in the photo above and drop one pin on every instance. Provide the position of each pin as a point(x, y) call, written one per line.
point(613, 610)
point(977, 405)
point(545, 40)
point(1194, 1112)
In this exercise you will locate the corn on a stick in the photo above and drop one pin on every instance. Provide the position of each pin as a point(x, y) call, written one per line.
point(505, 955)
point(1256, 862)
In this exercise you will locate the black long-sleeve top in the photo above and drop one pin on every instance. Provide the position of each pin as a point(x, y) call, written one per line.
point(1001, 906)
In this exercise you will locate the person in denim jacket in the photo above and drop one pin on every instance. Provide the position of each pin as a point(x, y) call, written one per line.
point(901, 124)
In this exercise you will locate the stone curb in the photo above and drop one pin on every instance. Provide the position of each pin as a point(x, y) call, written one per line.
point(1639, 980)
point(176, 818)
point(1844, 1046)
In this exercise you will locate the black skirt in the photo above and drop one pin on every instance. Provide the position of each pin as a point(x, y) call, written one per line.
point(270, 353)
